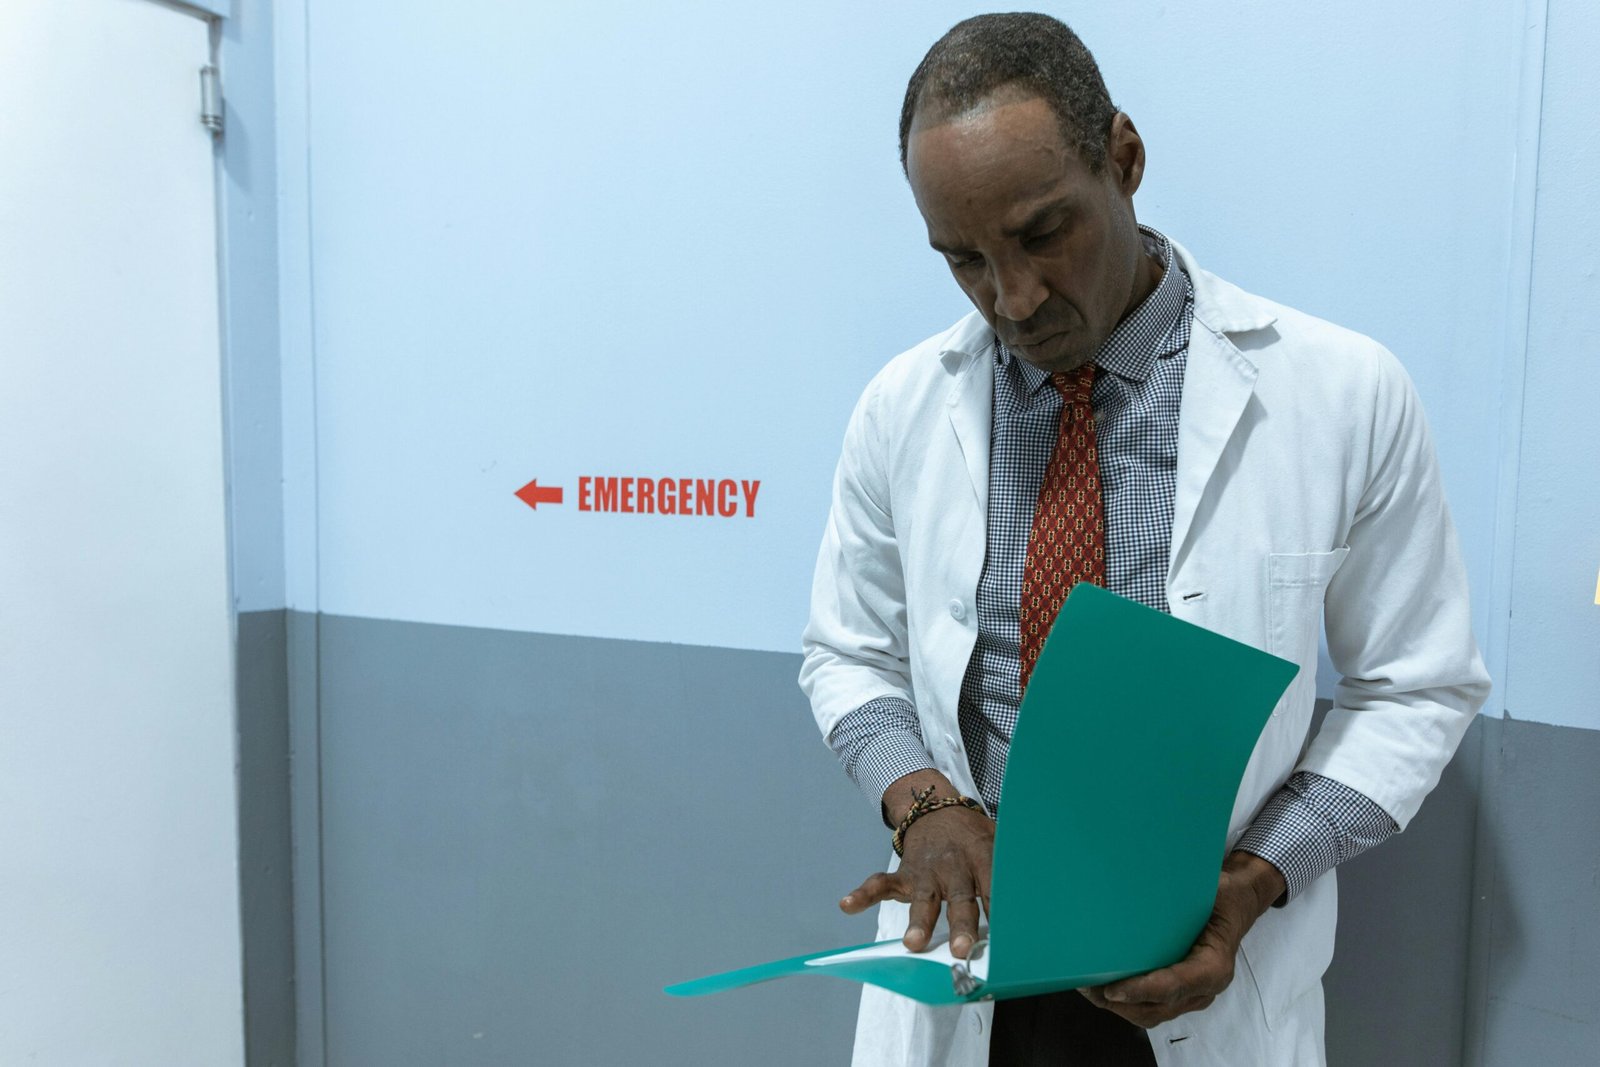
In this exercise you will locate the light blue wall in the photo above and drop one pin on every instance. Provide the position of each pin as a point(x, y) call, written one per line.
point(1553, 666)
point(559, 241)
point(247, 206)
point(1371, 165)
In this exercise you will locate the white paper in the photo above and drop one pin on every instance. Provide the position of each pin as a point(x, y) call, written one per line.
point(938, 953)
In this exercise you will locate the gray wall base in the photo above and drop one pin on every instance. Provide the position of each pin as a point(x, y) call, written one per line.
point(1541, 839)
point(526, 837)
point(265, 869)
point(1396, 992)
point(523, 837)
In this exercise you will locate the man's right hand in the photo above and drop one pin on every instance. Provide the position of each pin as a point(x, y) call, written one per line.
point(948, 855)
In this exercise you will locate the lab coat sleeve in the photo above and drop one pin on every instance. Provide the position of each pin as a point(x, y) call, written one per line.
point(1398, 620)
point(856, 643)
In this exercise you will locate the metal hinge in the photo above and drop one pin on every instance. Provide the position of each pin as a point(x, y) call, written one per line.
point(211, 100)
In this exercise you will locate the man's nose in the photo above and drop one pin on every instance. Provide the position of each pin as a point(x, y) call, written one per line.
point(1018, 290)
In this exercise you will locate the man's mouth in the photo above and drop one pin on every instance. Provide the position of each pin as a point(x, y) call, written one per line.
point(1036, 342)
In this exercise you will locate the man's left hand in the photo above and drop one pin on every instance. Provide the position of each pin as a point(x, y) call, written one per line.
point(1246, 889)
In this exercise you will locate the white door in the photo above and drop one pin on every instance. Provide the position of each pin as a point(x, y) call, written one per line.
point(119, 927)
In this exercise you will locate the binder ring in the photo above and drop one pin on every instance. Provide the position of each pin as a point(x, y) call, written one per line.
point(961, 976)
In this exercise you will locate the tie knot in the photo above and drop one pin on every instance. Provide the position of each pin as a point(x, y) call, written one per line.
point(1076, 387)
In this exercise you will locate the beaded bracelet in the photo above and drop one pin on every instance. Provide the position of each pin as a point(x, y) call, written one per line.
point(921, 805)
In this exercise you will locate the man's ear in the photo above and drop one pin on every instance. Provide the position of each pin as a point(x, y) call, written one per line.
point(1125, 155)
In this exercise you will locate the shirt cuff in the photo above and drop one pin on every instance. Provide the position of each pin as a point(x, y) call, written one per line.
point(879, 743)
point(1312, 825)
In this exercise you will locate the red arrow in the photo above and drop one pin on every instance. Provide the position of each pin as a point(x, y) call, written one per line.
point(533, 496)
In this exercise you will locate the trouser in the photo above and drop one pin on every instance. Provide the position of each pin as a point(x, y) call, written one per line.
point(1064, 1030)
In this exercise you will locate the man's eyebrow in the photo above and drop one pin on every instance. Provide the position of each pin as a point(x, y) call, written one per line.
point(1064, 206)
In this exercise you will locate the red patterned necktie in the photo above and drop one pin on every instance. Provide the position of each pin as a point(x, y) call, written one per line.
point(1067, 542)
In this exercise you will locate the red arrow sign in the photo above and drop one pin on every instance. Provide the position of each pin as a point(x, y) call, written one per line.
point(533, 496)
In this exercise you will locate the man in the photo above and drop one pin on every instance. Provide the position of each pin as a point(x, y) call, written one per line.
point(1238, 463)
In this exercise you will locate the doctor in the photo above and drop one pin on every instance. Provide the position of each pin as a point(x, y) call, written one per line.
point(1113, 413)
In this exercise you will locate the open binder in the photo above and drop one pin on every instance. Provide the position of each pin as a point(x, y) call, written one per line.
point(1130, 745)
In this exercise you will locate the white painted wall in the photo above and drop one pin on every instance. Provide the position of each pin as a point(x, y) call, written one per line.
point(118, 883)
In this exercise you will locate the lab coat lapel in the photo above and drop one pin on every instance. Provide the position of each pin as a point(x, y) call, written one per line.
point(970, 410)
point(1218, 383)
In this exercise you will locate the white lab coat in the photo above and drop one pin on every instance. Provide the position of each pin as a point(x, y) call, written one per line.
point(1307, 489)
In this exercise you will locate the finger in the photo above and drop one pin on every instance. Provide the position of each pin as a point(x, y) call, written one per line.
point(963, 915)
point(1204, 972)
point(924, 916)
point(874, 890)
point(980, 874)
point(1157, 987)
point(1149, 1015)
point(1095, 995)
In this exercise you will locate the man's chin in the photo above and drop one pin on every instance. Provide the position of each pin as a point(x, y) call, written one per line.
point(1057, 355)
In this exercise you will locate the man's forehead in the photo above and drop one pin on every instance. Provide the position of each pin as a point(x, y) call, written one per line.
point(936, 109)
point(1017, 141)
point(967, 179)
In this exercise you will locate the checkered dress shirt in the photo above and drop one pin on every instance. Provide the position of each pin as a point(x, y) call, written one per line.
point(1312, 823)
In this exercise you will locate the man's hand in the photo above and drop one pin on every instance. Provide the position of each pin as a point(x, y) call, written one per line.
point(1246, 889)
point(948, 854)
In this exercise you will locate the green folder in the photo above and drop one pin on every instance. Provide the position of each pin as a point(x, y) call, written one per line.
point(1128, 752)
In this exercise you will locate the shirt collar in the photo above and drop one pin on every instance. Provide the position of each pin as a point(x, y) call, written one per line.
point(1139, 339)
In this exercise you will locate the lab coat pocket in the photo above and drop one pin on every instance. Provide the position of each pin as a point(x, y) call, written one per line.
point(1296, 582)
point(1288, 950)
